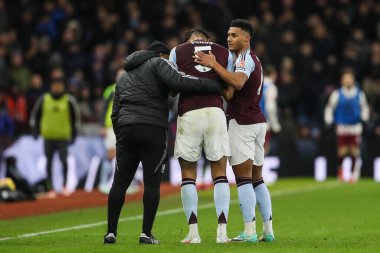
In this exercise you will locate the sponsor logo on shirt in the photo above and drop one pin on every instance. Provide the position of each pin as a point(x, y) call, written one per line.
point(241, 65)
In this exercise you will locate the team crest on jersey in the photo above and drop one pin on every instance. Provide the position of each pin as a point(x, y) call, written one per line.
point(241, 64)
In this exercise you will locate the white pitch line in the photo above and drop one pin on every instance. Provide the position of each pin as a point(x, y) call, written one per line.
point(173, 211)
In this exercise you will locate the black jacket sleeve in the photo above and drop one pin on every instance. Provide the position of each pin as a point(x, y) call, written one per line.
point(74, 117)
point(35, 116)
point(179, 81)
point(116, 108)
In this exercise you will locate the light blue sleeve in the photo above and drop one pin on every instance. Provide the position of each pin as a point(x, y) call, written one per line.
point(173, 56)
point(245, 63)
point(231, 63)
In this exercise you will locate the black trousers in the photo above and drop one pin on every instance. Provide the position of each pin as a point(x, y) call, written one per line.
point(135, 143)
point(50, 147)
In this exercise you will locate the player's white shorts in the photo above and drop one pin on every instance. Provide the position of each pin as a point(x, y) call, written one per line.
point(205, 127)
point(247, 142)
point(110, 139)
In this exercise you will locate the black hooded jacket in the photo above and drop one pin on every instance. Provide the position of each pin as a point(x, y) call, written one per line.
point(141, 94)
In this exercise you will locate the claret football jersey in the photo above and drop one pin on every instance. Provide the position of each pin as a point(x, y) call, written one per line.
point(244, 107)
point(182, 55)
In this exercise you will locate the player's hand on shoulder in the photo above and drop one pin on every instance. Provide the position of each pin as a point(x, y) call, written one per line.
point(204, 59)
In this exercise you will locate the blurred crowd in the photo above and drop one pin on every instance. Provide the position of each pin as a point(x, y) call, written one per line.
point(309, 42)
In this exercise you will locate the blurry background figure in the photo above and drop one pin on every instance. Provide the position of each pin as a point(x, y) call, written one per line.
point(107, 169)
point(347, 108)
point(20, 189)
point(268, 104)
point(6, 123)
point(55, 116)
point(6, 126)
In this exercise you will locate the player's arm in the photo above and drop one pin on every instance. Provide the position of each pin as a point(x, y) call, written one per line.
point(167, 73)
point(330, 108)
point(116, 105)
point(74, 116)
point(35, 117)
point(364, 109)
point(173, 59)
point(228, 93)
point(236, 79)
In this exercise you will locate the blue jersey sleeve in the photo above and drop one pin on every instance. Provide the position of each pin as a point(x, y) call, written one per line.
point(173, 56)
point(231, 63)
point(244, 63)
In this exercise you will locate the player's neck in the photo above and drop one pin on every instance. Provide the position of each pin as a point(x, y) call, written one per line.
point(238, 52)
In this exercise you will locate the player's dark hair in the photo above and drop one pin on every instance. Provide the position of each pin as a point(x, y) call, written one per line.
point(200, 30)
point(347, 70)
point(243, 24)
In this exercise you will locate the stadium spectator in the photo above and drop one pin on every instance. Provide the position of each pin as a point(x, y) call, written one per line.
point(371, 84)
point(6, 123)
point(20, 73)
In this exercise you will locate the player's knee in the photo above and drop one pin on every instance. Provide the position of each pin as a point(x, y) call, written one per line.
point(187, 165)
point(257, 172)
point(257, 182)
point(343, 151)
point(218, 168)
point(354, 151)
point(189, 173)
point(153, 180)
point(240, 181)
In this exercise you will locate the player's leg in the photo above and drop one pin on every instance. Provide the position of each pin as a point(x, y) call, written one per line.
point(267, 142)
point(247, 200)
point(153, 158)
point(188, 148)
point(62, 151)
point(354, 150)
point(49, 148)
point(127, 160)
point(189, 198)
point(49, 153)
point(242, 139)
point(261, 190)
point(221, 197)
point(342, 152)
point(264, 203)
point(217, 148)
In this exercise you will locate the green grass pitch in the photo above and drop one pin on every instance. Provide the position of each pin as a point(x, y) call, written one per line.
point(308, 217)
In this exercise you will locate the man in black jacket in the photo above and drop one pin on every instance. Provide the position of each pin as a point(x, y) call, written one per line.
point(140, 119)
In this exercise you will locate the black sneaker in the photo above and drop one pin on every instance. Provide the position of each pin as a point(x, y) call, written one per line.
point(148, 239)
point(109, 238)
